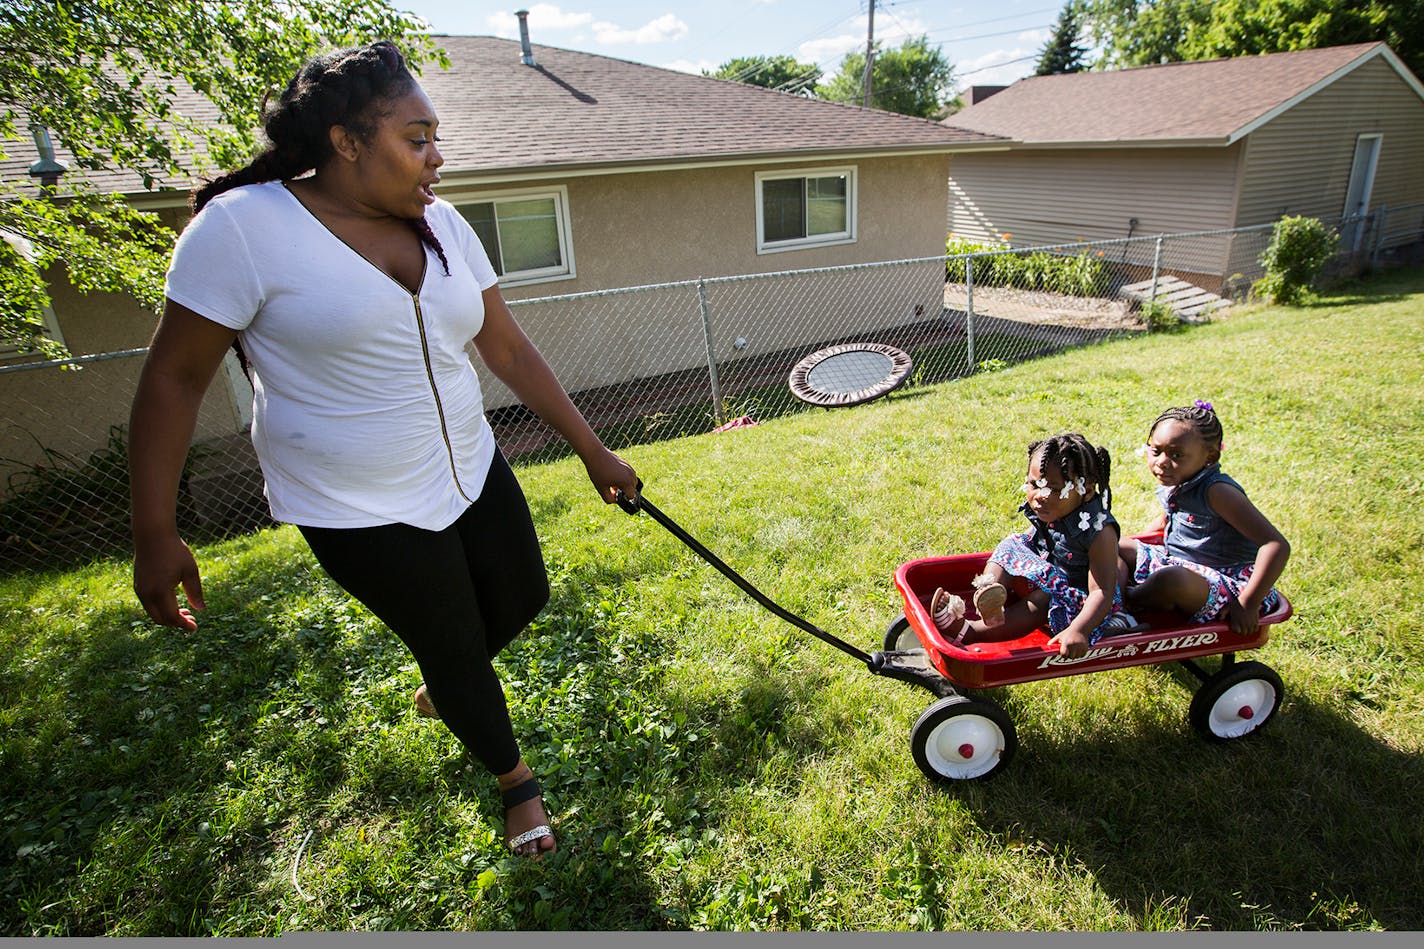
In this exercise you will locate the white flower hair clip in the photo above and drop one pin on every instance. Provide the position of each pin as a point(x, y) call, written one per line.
point(1084, 519)
point(1100, 520)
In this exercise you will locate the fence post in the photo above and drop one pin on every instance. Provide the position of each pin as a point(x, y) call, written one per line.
point(969, 316)
point(1156, 266)
point(711, 354)
point(1383, 216)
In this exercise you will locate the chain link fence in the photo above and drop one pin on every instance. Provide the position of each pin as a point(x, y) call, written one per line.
point(654, 362)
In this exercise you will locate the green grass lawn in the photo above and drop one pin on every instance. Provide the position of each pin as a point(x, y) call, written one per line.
point(712, 767)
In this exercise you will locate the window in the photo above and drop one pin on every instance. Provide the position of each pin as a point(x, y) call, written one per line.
point(526, 234)
point(805, 209)
point(51, 329)
point(8, 352)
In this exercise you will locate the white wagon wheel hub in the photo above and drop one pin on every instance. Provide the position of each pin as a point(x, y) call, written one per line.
point(965, 746)
point(1241, 707)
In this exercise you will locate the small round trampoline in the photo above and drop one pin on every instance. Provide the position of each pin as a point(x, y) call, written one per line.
point(849, 374)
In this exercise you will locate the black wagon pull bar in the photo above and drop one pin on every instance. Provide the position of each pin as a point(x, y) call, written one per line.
point(643, 504)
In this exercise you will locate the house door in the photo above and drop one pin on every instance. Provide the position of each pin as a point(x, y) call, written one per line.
point(1357, 195)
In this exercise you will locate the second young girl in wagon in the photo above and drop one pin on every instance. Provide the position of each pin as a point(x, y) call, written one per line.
point(1220, 557)
point(1060, 573)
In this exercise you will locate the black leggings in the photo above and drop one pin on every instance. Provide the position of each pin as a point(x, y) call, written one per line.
point(456, 597)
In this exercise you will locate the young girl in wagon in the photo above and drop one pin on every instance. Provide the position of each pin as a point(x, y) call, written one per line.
point(1062, 570)
point(1219, 557)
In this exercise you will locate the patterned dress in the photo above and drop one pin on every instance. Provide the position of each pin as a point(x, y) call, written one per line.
point(1053, 556)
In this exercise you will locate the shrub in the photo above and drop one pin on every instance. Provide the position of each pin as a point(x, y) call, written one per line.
point(1300, 248)
point(1072, 274)
point(1160, 317)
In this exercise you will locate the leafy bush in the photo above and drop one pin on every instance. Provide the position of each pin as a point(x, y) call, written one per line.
point(1300, 248)
point(1071, 274)
point(1159, 317)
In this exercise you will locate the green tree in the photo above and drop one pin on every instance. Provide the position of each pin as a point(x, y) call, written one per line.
point(103, 77)
point(1063, 53)
point(915, 79)
point(773, 72)
point(1134, 33)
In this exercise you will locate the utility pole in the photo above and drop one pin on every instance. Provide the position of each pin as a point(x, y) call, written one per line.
point(869, 57)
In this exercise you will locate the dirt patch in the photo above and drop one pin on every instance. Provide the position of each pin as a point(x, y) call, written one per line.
point(1052, 309)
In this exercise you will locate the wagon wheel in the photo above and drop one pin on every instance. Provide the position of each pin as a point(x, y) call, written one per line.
point(1235, 701)
point(962, 739)
point(899, 637)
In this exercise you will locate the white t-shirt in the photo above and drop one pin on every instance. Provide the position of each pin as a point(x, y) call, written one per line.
point(366, 409)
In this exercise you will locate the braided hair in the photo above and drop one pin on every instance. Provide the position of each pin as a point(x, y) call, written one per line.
point(1201, 417)
point(344, 87)
point(1076, 458)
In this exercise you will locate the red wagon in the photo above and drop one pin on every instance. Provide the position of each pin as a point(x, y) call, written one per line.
point(962, 736)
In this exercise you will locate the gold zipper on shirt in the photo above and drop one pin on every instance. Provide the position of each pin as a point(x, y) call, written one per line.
point(435, 391)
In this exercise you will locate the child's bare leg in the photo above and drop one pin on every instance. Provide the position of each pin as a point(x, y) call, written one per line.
point(1126, 562)
point(1021, 617)
point(1171, 588)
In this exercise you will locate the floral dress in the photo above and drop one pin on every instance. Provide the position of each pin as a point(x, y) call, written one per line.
point(1053, 556)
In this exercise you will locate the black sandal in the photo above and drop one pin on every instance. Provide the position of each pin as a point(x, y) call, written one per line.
point(521, 792)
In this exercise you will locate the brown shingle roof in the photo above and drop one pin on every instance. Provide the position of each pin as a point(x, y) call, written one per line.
point(1206, 102)
point(577, 110)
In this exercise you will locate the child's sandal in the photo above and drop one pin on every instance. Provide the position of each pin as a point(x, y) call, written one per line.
point(989, 599)
point(947, 611)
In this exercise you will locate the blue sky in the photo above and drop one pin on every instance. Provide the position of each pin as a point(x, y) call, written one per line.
point(988, 41)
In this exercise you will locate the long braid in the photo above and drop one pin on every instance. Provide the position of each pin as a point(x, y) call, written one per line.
point(427, 236)
point(344, 87)
point(1201, 417)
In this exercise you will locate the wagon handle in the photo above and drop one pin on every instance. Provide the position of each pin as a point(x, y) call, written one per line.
point(628, 505)
point(643, 504)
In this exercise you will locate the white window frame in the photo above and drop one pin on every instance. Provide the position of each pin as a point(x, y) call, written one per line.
point(51, 322)
point(51, 330)
point(848, 236)
point(560, 194)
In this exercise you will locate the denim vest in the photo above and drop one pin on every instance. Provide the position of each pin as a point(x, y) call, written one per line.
point(1197, 533)
point(1064, 543)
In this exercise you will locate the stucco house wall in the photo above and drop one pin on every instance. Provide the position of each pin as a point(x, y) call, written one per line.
point(631, 230)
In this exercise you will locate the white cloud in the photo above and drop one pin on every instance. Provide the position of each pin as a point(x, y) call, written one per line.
point(889, 34)
point(830, 48)
point(685, 65)
point(1000, 67)
point(542, 16)
point(664, 28)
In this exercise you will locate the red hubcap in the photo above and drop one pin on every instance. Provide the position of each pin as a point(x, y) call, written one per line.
point(1246, 711)
point(966, 750)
